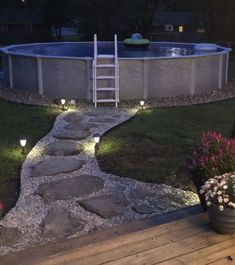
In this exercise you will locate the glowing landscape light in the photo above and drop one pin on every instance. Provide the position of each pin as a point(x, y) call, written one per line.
point(96, 138)
point(142, 104)
point(23, 143)
point(63, 101)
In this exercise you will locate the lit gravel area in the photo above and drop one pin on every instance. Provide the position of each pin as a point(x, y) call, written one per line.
point(65, 194)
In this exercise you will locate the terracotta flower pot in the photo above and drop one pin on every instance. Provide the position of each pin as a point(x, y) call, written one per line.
point(222, 221)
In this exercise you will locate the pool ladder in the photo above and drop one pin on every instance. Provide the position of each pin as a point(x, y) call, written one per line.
point(105, 76)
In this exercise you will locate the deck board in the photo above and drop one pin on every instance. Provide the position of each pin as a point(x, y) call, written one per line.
point(125, 243)
point(223, 261)
point(207, 255)
point(140, 245)
point(187, 241)
point(173, 250)
point(35, 254)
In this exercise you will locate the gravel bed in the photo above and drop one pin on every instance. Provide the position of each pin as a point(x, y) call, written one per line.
point(227, 92)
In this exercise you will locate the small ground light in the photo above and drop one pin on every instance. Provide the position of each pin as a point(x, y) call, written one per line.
point(23, 143)
point(72, 102)
point(142, 104)
point(63, 103)
point(96, 138)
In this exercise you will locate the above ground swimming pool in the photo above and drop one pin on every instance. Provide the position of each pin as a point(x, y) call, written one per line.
point(64, 70)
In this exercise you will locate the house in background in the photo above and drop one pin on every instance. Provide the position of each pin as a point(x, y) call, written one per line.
point(179, 26)
point(23, 25)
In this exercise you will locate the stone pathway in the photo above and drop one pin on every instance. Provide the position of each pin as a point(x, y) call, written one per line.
point(65, 194)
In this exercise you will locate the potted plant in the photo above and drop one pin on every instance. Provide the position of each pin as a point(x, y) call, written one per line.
point(214, 156)
point(219, 194)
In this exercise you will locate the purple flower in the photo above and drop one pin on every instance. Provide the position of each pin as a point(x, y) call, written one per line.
point(214, 156)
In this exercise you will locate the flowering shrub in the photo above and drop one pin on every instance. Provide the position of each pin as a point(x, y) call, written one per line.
point(220, 190)
point(215, 156)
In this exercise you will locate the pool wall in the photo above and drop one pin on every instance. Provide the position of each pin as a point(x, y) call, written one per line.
point(140, 78)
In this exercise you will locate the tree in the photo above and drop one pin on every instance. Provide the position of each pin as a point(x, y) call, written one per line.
point(56, 13)
point(220, 18)
point(106, 17)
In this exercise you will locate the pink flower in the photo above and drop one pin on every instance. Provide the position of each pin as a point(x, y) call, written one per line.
point(1, 206)
point(214, 156)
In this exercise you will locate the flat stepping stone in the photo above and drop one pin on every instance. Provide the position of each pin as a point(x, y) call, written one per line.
point(176, 198)
point(63, 148)
point(140, 193)
point(59, 223)
point(72, 135)
point(54, 166)
point(93, 114)
point(80, 126)
point(106, 206)
point(9, 236)
point(73, 117)
point(116, 188)
point(102, 120)
point(116, 115)
point(144, 208)
point(68, 188)
point(152, 205)
point(162, 203)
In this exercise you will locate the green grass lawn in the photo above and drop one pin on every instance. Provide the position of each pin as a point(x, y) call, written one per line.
point(18, 120)
point(156, 143)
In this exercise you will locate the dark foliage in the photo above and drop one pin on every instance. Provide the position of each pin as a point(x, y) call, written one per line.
point(232, 135)
point(106, 17)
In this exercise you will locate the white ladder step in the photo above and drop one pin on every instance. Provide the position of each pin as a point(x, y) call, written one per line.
point(106, 89)
point(105, 65)
point(105, 77)
point(106, 100)
point(112, 90)
point(105, 56)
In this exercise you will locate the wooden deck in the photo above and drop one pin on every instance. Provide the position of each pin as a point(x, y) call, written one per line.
point(190, 240)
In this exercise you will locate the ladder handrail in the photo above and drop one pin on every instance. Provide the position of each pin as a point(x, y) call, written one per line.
point(116, 73)
point(115, 47)
point(95, 47)
point(116, 68)
point(94, 68)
